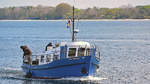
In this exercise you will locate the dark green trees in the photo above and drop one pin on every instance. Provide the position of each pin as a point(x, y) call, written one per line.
point(63, 11)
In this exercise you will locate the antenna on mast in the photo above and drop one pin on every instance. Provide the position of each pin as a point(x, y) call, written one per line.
point(73, 18)
point(74, 31)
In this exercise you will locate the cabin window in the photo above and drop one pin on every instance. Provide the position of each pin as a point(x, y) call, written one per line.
point(88, 51)
point(42, 58)
point(51, 57)
point(47, 58)
point(55, 57)
point(81, 51)
point(72, 52)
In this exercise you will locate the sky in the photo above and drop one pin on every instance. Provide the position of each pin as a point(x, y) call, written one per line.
point(78, 3)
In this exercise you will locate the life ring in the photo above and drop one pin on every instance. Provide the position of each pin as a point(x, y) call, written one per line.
point(83, 70)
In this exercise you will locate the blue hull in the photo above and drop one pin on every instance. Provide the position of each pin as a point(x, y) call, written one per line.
point(70, 67)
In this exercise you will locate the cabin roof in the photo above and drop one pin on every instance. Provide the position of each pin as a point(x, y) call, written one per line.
point(76, 44)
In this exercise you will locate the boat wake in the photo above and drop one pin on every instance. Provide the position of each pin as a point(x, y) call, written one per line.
point(8, 72)
point(89, 78)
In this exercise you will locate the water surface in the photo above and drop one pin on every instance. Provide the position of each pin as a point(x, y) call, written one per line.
point(124, 46)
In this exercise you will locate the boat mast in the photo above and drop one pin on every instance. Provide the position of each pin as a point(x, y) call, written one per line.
point(73, 18)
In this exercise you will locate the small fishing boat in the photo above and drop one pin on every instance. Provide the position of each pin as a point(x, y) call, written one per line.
point(61, 60)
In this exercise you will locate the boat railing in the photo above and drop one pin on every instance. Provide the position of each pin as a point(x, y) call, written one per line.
point(38, 59)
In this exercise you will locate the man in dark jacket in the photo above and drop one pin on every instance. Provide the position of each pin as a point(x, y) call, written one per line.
point(27, 53)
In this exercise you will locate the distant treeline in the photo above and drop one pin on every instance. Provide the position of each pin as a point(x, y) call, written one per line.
point(63, 11)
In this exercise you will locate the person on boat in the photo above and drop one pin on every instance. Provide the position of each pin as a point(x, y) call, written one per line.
point(49, 46)
point(27, 54)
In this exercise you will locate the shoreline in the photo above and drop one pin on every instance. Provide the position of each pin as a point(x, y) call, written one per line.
point(88, 20)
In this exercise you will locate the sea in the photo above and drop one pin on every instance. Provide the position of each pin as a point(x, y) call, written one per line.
point(124, 47)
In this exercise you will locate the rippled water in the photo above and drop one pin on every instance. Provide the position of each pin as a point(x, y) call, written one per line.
point(124, 46)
